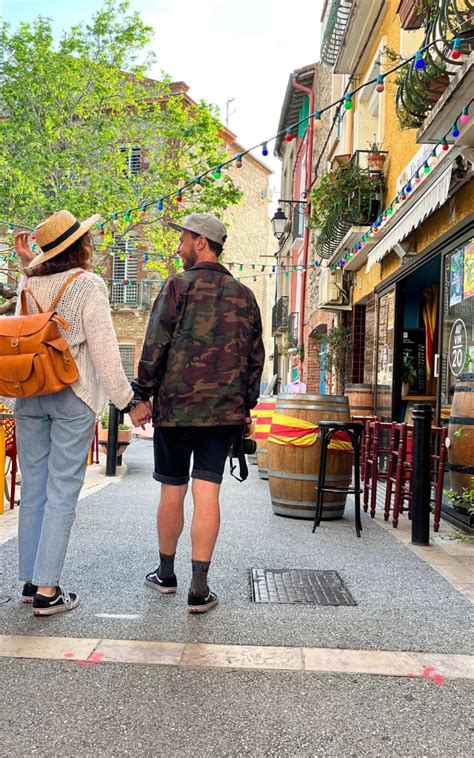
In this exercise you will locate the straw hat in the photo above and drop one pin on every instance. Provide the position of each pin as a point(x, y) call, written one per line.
point(57, 232)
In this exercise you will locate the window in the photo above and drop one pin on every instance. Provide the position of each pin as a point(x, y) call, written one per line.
point(127, 355)
point(132, 156)
point(125, 287)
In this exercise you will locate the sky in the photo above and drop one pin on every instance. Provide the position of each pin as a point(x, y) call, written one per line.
point(241, 49)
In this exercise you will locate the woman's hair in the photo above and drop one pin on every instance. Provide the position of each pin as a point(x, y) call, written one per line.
point(77, 255)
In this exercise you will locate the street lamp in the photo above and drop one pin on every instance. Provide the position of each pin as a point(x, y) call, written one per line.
point(279, 222)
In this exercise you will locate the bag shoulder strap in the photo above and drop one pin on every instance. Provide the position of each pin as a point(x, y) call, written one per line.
point(61, 292)
point(24, 307)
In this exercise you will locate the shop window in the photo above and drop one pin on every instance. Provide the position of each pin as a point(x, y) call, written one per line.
point(458, 323)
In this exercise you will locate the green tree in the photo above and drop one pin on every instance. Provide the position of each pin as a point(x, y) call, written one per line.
point(73, 115)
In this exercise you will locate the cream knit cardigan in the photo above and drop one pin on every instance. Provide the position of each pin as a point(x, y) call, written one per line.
point(91, 336)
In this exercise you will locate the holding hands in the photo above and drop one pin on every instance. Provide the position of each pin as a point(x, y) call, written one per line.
point(141, 414)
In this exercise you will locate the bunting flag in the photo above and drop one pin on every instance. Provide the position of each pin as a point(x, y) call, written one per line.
point(262, 415)
point(288, 430)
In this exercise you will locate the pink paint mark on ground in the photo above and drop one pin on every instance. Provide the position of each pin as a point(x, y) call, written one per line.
point(69, 655)
point(92, 660)
point(438, 679)
point(411, 675)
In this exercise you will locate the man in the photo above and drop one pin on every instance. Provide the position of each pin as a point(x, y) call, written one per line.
point(201, 362)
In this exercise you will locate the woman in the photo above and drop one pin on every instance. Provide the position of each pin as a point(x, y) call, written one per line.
point(54, 432)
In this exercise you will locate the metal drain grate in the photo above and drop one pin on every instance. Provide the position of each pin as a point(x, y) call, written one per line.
point(302, 586)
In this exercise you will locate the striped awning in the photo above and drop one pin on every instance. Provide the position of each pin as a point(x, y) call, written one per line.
point(435, 196)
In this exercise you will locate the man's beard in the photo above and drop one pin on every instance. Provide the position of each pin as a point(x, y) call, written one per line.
point(189, 261)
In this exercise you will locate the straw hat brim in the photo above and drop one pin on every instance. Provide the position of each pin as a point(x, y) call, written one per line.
point(83, 228)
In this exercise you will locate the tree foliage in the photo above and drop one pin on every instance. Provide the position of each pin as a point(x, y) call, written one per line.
point(72, 112)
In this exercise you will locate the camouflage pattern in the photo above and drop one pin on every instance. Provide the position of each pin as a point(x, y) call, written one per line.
point(203, 353)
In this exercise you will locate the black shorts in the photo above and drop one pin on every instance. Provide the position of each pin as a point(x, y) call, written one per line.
point(209, 446)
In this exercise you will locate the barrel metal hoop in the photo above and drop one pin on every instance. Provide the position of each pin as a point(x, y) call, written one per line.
point(460, 469)
point(305, 503)
point(464, 420)
point(342, 409)
point(307, 477)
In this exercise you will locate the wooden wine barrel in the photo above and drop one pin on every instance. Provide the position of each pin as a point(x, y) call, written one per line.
point(461, 448)
point(361, 399)
point(293, 470)
point(262, 415)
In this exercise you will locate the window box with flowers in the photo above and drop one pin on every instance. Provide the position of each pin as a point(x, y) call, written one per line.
point(347, 197)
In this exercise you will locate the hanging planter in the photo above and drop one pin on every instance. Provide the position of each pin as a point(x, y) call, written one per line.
point(412, 13)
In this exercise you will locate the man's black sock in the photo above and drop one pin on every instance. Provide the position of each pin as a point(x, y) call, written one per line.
point(166, 569)
point(199, 580)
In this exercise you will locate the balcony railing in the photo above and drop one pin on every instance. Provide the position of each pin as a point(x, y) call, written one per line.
point(357, 202)
point(420, 89)
point(293, 330)
point(280, 316)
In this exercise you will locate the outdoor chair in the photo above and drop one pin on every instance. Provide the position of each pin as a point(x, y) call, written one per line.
point(327, 430)
point(11, 457)
point(375, 467)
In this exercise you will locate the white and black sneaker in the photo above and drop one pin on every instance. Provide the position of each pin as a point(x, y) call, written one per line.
point(199, 604)
point(28, 592)
point(60, 602)
point(166, 586)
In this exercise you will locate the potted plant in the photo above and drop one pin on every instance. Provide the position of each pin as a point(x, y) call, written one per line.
point(340, 160)
point(124, 435)
point(413, 12)
point(375, 158)
point(408, 373)
point(463, 502)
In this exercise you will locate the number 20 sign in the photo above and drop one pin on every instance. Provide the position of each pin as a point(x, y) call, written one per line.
point(457, 346)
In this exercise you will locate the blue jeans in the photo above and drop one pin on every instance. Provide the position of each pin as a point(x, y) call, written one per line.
point(54, 434)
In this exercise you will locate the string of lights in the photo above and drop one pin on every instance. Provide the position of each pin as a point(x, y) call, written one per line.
point(194, 184)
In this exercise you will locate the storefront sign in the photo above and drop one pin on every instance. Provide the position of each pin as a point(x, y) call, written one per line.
point(469, 270)
point(456, 278)
point(457, 347)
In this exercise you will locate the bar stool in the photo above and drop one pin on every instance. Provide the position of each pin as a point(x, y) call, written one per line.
point(327, 431)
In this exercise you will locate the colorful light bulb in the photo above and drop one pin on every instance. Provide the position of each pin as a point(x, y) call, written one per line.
point(264, 149)
point(317, 119)
point(380, 85)
point(426, 167)
point(289, 135)
point(465, 115)
point(454, 131)
point(444, 145)
point(238, 161)
point(160, 205)
point(217, 173)
point(419, 61)
point(456, 53)
point(347, 102)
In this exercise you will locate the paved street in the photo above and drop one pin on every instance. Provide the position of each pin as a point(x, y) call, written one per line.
point(141, 707)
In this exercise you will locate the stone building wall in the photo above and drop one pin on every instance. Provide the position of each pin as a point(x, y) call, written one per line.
point(249, 240)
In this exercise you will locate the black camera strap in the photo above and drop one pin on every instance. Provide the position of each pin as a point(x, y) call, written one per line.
point(243, 468)
point(238, 451)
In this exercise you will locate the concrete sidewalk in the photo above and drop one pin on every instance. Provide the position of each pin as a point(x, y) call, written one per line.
point(245, 679)
point(402, 603)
